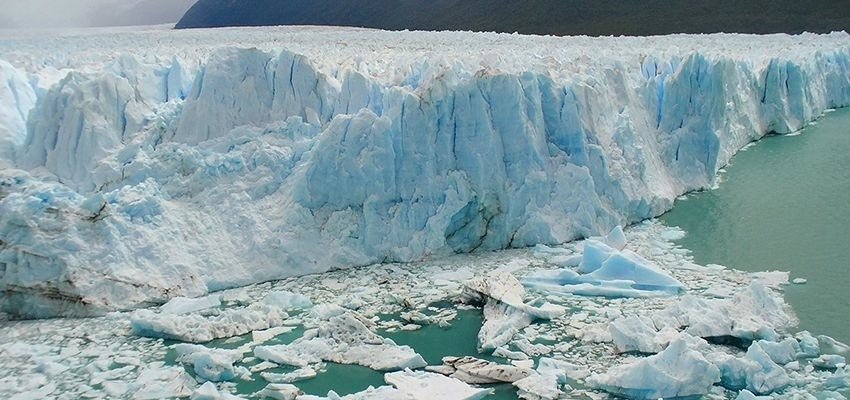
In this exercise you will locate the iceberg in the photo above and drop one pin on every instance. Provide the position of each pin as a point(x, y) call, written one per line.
point(177, 164)
point(752, 313)
point(280, 392)
point(678, 371)
point(755, 371)
point(607, 269)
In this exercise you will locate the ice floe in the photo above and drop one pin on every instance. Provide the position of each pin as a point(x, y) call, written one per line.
point(345, 338)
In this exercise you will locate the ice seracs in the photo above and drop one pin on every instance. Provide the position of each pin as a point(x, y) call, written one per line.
point(256, 155)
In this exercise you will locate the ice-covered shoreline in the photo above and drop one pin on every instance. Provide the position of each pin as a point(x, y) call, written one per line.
point(588, 347)
point(192, 166)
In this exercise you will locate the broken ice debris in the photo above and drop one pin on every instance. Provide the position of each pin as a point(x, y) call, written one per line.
point(208, 391)
point(344, 338)
point(678, 371)
point(212, 364)
point(199, 329)
point(505, 313)
point(755, 371)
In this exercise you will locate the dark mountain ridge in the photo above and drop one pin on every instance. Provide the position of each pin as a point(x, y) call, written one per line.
point(554, 17)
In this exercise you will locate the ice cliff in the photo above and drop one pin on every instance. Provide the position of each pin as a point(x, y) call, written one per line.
point(200, 162)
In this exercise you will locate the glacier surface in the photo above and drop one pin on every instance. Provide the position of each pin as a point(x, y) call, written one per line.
point(138, 166)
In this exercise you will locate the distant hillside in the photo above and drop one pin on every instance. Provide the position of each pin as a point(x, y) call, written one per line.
point(558, 17)
point(141, 12)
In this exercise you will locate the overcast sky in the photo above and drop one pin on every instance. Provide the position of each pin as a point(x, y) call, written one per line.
point(82, 13)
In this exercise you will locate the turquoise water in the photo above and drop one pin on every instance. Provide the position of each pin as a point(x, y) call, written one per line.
point(784, 204)
point(432, 342)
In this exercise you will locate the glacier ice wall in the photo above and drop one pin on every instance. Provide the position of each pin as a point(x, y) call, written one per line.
point(143, 180)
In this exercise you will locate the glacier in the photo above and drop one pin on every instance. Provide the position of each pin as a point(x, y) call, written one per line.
point(576, 353)
point(141, 165)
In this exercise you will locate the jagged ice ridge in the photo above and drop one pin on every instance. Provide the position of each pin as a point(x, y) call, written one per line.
point(197, 161)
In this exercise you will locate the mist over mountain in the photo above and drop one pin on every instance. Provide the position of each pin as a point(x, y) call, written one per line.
point(143, 12)
point(558, 17)
point(41, 14)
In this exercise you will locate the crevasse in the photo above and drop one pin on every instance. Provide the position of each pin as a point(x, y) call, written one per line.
point(143, 181)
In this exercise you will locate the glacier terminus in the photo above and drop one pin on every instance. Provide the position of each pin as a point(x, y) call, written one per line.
point(209, 210)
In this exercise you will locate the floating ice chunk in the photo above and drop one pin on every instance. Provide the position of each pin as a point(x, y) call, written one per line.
point(546, 381)
point(345, 338)
point(809, 345)
point(755, 372)
point(639, 334)
point(280, 391)
point(753, 313)
point(772, 279)
point(504, 352)
point(633, 269)
point(421, 385)
point(840, 379)
point(616, 239)
point(830, 345)
point(678, 371)
point(198, 329)
point(799, 281)
point(504, 311)
point(300, 374)
point(185, 305)
point(476, 371)
point(208, 391)
point(298, 354)
point(538, 386)
point(781, 352)
point(287, 300)
point(748, 395)
point(501, 323)
point(499, 285)
point(158, 382)
point(570, 261)
point(212, 364)
point(608, 271)
point(829, 361)
point(673, 234)
point(258, 337)
point(594, 255)
point(559, 367)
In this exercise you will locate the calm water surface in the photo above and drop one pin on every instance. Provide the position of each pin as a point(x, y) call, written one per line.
point(784, 204)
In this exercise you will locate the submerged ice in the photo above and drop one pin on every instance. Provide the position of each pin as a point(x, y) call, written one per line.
point(198, 164)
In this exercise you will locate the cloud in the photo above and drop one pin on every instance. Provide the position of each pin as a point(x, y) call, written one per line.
point(83, 13)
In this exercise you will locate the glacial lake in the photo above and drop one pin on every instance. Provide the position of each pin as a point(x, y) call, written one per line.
point(784, 204)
